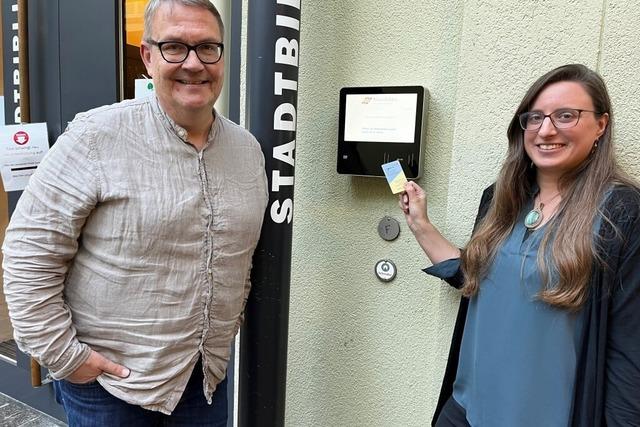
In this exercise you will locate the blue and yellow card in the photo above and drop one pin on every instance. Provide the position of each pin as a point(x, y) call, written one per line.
point(395, 176)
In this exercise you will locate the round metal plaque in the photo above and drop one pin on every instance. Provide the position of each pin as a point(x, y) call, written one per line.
point(388, 228)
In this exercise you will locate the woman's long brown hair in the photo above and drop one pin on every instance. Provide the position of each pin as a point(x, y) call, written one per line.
point(567, 248)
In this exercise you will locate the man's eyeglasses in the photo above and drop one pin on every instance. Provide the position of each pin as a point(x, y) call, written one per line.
point(177, 52)
point(563, 118)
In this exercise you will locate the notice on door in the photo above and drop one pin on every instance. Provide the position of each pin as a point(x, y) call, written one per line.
point(22, 148)
point(143, 88)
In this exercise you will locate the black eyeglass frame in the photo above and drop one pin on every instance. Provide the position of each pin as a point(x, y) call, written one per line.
point(522, 117)
point(189, 49)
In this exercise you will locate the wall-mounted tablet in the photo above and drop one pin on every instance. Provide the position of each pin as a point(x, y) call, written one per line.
point(378, 125)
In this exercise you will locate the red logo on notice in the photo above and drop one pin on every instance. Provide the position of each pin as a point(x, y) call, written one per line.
point(21, 137)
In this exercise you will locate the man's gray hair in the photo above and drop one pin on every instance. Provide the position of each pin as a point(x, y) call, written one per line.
point(154, 5)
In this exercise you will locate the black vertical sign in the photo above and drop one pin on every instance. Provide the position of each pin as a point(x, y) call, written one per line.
point(272, 99)
point(10, 48)
point(11, 63)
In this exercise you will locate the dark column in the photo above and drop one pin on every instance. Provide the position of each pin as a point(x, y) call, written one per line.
point(234, 56)
point(272, 76)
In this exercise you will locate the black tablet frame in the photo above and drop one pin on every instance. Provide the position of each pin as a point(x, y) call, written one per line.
point(364, 158)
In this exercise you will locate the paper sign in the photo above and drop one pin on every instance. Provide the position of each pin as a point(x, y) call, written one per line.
point(22, 148)
point(384, 117)
point(143, 88)
point(395, 176)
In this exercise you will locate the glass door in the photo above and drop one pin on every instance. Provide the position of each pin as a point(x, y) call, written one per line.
point(74, 65)
point(132, 29)
point(7, 345)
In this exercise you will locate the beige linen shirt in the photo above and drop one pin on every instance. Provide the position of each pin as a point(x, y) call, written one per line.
point(130, 242)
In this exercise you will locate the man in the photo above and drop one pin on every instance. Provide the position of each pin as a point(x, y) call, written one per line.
point(127, 259)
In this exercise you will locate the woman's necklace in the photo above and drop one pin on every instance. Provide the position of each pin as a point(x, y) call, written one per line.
point(535, 217)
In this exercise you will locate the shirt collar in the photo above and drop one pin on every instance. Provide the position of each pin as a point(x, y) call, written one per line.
point(178, 130)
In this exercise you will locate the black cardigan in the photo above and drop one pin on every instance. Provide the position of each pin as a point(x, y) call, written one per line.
point(607, 391)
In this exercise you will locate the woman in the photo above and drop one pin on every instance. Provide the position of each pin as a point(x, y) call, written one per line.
point(551, 275)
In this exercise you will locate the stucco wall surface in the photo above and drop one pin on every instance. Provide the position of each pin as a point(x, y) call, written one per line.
point(366, 353)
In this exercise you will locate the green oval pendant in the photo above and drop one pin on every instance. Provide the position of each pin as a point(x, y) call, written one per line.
point(533, 218)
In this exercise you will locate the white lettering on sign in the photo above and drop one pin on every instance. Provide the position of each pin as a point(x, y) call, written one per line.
point(281, 83)
point(287, 52)
point(15, 59)
point(287, 21)
point(284, 116)
point(284, 152)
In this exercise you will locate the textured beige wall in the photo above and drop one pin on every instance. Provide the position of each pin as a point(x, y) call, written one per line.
point(364, 353)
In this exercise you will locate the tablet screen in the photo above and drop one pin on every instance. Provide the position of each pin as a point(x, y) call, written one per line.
point(381, 117)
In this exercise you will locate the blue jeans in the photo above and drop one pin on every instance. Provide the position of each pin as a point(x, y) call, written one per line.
point(89, 405)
